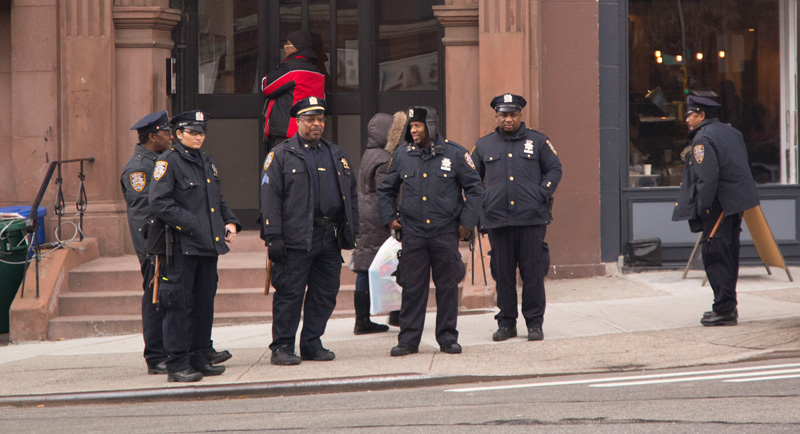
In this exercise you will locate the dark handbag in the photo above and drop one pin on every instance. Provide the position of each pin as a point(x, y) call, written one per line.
point(645, 253)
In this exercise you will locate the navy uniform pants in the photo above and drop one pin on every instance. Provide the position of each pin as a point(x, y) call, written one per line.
point(152, 319)
point(319, 270)
point(419, 257)
point(721, 258)
point(186, 295)
point(521, 246)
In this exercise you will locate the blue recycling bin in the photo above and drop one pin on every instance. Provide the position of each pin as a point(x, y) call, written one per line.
point(25, 211)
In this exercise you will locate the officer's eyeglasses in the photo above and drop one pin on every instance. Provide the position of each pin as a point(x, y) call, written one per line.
point(194, 133)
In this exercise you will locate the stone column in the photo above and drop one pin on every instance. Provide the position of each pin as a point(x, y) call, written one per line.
point(143, 41)
point(462, 103)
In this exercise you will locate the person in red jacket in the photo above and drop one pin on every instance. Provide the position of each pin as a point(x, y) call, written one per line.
point(297, 77)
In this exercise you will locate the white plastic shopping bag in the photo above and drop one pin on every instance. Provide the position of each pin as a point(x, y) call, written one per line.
point(385, 294)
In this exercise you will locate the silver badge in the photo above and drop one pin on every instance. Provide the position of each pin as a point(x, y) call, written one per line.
point(411, 113)
point(508, 98)
point(528, 147)
point(199, 116)
point(446, 164)
point(312, 100)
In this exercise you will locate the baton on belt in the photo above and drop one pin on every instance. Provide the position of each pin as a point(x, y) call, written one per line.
point(716, 226)
point(268, 278)
point(156, 278)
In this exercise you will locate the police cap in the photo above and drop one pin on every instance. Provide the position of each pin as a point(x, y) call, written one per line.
point(192, 120)
point(309, 106)
point(697, 104)
point(152, 123)
point(508, 103)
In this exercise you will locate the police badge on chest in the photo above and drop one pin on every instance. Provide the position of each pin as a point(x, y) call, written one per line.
point(528, 147)
point(446, 164)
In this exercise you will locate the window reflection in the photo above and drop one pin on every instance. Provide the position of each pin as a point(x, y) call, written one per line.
point(347, 45)
point(228, 46)
point(725, 51)
point(408, 45)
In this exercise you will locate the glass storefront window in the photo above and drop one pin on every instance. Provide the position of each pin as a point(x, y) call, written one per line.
point(228, 46)
point(347, 45)
point(408, 45)
point(723, 50)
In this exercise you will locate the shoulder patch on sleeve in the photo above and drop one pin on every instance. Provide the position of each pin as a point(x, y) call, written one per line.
point(160, 169)
point(699, 153)
point(268, 161)
point(469, 161)
point(138, 181)
point(551, 146)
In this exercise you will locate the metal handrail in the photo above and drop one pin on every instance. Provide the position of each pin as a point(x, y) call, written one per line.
point(32, 224)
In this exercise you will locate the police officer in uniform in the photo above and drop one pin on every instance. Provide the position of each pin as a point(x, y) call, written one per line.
point(521, 170)
point(154, 138)
point(717, 188)
point(186, 196)
point(309, 212)
point(433, 217)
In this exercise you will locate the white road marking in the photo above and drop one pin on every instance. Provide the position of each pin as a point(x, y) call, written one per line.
point(774, 377)
point(629, 378)
point(688, 379)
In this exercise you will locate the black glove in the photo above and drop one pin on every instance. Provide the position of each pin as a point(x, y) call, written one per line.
point(276, 251)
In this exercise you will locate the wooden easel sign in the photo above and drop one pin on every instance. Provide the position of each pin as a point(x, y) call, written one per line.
point(767, 248)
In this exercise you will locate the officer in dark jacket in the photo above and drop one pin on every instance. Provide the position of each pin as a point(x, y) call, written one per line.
point(717, 188)
point(297, 77)
point(433, 217)
point(521, 170)
point(186, 195)
point(309, 212)
point(154, 138)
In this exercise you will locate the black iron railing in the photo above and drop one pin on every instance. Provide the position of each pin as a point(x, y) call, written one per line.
point(32, 224)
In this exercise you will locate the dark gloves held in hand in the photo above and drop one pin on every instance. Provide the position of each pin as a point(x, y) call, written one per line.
point(276, 251)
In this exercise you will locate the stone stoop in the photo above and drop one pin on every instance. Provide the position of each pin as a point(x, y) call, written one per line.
point(104, 296)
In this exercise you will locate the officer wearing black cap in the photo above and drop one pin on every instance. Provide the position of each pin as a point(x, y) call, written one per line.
point(154, 138)
point(433, 216)
point(521, 170)
point(186, 195)
point(309, 212)
point(717, 188)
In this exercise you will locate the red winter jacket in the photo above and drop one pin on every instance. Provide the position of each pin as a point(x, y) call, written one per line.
point(295, 78)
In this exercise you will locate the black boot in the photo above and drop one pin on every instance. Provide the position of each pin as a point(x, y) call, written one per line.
point(394, 318)
point(363, 324)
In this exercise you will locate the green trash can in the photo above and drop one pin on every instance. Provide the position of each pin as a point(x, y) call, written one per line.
point(13, 250)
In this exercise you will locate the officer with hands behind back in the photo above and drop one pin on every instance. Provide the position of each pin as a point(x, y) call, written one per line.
point(309, 212)
point(717, 188)
point(434, 217)
point(154, 138)
point(521, 170)
point(186, 195)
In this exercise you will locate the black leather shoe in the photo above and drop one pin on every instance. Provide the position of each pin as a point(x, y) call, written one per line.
point(451, 348)
point(403, 350)
point(159, 368)
point(504, 333)
point(284, 356)
point(535, 334)
point(216, 357)
point(721, 319)
point(188, 375)
point(210, 370)
point(321, 355)
point(711, 312)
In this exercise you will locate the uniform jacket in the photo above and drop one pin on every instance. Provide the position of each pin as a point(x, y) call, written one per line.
point(287, 196)
point(374, 165)
point(717, 168)
point(530, 160)
point(186, 195)
point(135, 179)
point(432, 203)
point(294, 79)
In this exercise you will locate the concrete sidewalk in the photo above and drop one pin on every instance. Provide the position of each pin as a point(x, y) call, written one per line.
point(625, 322)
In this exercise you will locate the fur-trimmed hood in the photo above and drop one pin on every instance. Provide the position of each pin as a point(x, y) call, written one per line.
point(396, 132)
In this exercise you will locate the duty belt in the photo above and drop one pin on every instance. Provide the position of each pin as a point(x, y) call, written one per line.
point(325, 221)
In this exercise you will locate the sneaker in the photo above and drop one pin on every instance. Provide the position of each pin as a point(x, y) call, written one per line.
point(284, 356)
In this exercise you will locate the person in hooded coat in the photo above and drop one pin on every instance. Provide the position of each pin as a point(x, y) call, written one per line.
point(297, 77)
point(383, 135)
